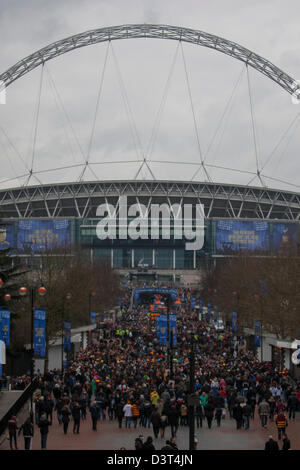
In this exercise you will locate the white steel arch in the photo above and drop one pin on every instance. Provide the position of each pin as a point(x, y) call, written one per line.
point(176, 33)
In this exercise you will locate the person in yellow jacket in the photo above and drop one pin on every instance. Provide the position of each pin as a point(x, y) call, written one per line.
point(154, 397)
point(135, 410)
point(281, 423)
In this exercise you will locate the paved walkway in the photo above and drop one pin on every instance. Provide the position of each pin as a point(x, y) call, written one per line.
point(110, 437)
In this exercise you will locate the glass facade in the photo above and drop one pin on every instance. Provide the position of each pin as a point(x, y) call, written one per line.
point(222, 237)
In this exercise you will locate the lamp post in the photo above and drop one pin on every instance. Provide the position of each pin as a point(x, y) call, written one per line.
point(67, 297)
point(259, 298)
point(192, 391)
point(91, 295)
point(23, 291)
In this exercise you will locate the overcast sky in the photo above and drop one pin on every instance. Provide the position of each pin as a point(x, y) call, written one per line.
point(134, 74)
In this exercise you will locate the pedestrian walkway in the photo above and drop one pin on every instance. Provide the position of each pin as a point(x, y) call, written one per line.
point(110, 437)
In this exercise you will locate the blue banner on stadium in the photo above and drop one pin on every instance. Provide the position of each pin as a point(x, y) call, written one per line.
point(285, 236)
point(233, 236)
point(7, 236)
point(193, 302)
point(5, 326)
point(39, 333)
point(67, 336)
point(38, 236)
point(257, 333)
point(234, 322)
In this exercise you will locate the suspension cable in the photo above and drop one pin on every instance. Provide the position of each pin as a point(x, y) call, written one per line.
point(36, 123)
point(159, 114)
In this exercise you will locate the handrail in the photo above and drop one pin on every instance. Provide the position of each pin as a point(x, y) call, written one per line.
point(19, 403)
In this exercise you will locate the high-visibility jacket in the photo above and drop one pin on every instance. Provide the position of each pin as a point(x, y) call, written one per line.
point(281, 421)
point(135, 410)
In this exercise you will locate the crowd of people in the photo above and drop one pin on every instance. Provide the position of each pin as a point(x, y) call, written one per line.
point(128, 378)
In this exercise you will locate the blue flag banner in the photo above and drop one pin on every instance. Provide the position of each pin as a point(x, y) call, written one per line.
point(193, 302)
point(39, 334)
point(5, 326)
point(208, 312)
point(215, 313)
point(67, 336)
point(173, 329)
point(93, 318)
point(257, 333)
point(162, 328)
point(234, 322)
point(200, 306)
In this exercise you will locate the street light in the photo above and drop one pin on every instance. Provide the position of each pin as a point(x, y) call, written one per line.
point(191, 399)
point(91, 294)
point(23, 291)
point(67, 297)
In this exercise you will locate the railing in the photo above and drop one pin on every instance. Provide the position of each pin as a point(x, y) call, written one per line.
point(18, 405)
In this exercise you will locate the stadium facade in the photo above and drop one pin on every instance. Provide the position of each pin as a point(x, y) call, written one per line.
point(40, 218)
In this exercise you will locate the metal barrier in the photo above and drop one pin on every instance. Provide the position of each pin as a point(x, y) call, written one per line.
point(18, 405)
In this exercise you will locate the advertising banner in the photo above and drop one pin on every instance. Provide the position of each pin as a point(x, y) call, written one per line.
point(39, 333)
point(93, 319)
point(5, 326)
point(6, 236)
point(38, 236)
point(162, 328)
point(234, 322)
point(285, 237)
point(257, 333)
point(233, 236)
point(67, 336)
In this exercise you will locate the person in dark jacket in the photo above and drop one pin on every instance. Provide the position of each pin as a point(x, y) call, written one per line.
point(286, 443)
point(58, 408)
point(247, 410)
point(65, 413)
point(271, 445)
point(199, 415)
point(148, 445)
point(156, 422)
point(44, 430)
point(209, 412)
point(49, 405)
point(76, 413)
point(120, 413)
point(28, 432)
point(292, 404)
point(94, 415)
point(170, 445)
point(237, 414)
point(173, 419)
point(12, 431)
